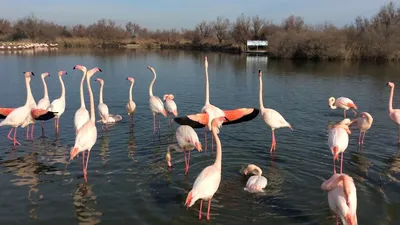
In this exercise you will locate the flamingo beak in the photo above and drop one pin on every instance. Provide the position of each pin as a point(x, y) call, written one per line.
point(169, 163)
point(198, 146)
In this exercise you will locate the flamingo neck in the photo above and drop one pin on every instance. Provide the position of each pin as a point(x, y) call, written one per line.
point(101, 93)
point(81, 90)
point(152, 83)
point(218, 158)
point(207, 88)
point(391, 100)
point(29, 96)
point(92, 115)
point(130, 92)
point(333, 104)
point(46, 94)
point(62, 88)
point(261, 94)
point(174, 147)
point(369, 118)
point(259, 171)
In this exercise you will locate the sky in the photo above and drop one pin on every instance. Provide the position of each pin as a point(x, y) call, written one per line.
point(164, 14)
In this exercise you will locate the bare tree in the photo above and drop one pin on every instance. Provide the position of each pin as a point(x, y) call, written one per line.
point(293, 23)
point(203, 30)
point(221, 28)
point(241, 29)
point(257, 24)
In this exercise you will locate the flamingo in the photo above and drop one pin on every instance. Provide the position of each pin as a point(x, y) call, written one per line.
point(394, 114)
point(207, 182)
point(102, 107)
point(82, 114)
point(87, 134)
point(30, 120)
point(257, 182)
point(131, 106)
point(363, 123)
point(187, 140)
point(170, 106)
point(18, 116)
point(58, 105)
point(270, 116)
point(344, 103)
point(156, 105)
point(44, 103)
point(342, 197)
point(338, 140)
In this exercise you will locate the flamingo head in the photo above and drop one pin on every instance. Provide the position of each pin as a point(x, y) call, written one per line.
point(205, 62)
point(216, 123)
point(151, 69)
point(45, 75)
point(391, 84)
point(331, 101)
point(91, 72)
point(168, 96)
point(168, 159)
point(29, 74)
point(259, 73)
point(345, 122)
point(252, 169)
point(80, 67)
point(130, 79)
point(101, 81)
point(62, 72)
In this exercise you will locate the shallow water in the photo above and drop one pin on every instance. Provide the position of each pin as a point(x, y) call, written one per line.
point(128, 179)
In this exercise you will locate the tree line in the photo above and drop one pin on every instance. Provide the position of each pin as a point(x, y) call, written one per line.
point(375, 38)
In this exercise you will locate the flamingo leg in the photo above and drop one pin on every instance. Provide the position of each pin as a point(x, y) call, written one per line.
point(186, 165)
point(107, 127)
point(334, 166)
point(33, 127)
point(205, 140)
point(201, 208)
point(344, 113)
point(355, 113)
point(212, 143)
point(362, 140)
point(208, 209)
point(154, 124)
point(27, 132)
point(83, 161)
point(359, 138)
point(9, 133)
point(273, 146)
point(15, 137)
point(86, 166)
point(42, 127)
point(55, 124)
point(159, 115)
point(188, 161)
point(341, 164)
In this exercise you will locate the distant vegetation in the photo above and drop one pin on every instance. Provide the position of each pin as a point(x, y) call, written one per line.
point(377, 38)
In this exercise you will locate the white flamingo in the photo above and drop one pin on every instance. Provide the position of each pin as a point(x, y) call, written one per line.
point(87, 134)
point(58, 105)
point(156, 105)
point(20, 114)
point(170, 106)
point(257, 182)
point(102, 107)
point(82, 114)
point(342, 102)
point(44, 103)
point(187, 140)
point(270, 116)
point(363, 123)
point(338, 141)
point(131, 106)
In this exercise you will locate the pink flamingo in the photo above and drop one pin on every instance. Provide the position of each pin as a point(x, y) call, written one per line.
point(363, 123)
point(156, 105)
point(207, 182)
point(18, 116)
point(81, 114)
point(44, 103)
point(131, 105)
point(338, 141)
point(394, 114)
point(270, 116)
point(187, 140)
point(342, 197)
point(58, 105)
point(257, 182)
point(87, 134)
point(344, 103)
point(170, 106)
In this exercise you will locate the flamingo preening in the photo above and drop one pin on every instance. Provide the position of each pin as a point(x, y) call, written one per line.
point(187, 140)
point(102, 107)
point(131, 106)
point(363, 123)
point(58, 105)
point(82, 114)
point(18, 116)
point(394, 114)
point(342, 102)
point(257, 182)
point(156, 105)
point(342, 198)
point(338, 140)
point(170, 106)
point(207, 182)
point(87, 134)
point(270, 116)
point(44, 103)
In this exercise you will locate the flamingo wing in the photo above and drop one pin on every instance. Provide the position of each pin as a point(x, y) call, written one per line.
point(41, 114)
point(233, 116)
point(346, 102)
point(254, 183)
point(5, 111)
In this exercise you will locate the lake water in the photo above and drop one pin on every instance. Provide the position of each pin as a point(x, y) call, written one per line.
point(128, 178)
